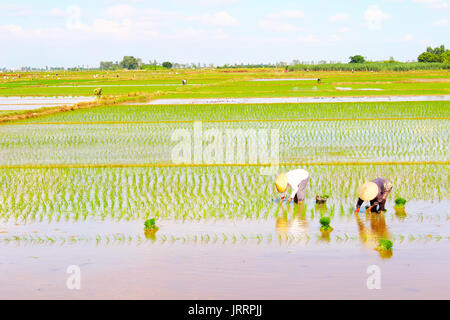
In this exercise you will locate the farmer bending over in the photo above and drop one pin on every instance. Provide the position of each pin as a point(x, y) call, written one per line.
point(298, 181)
point(376, 192)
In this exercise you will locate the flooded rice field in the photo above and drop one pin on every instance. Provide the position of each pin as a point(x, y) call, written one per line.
point(76, 193)
point(294, 100)
point(349, 141)
point(285, 79)
point(224, 226)
point(118, 85)
point(31, 103)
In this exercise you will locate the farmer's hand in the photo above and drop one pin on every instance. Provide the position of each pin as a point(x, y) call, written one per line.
point(282, 198)
point(357, 210)
point(290, 199)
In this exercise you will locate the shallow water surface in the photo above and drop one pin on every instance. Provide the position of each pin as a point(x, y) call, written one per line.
point(286, 79)
point(31, 103)
point(279, 257)
point(294, 100)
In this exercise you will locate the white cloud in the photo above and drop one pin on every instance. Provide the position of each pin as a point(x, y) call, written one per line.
point(281, 21)
point(199, 34)
point(74, 18)
point(276, 26)
point(17, 10)
point(14, 32)
point(374, 17)
point(308, 39)
point(440, 23)
point(72, 15)
point(339, 17)
point(122, 1)
point(121, 22)
point(58, 12)
point(288, 14)
point(121, 11)
point(435, 4)
point(217, 2)
point(221, 18)
point(407, 37)
point(335, 38)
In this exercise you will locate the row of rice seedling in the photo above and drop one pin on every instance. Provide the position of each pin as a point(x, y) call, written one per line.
point(350, 140)
point(252, 112)
point(208, 239)
point(193, 193)
point(248, 112)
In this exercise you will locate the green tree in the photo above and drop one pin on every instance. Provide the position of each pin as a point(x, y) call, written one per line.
point(357, 59)
point(108, 65)
point(438, 54)
point(428, 57)
point(437, 51)
point(167, 65)
point(445, 57)
point(130, 63)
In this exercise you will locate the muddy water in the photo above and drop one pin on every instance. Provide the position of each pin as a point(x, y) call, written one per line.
point(279, 257)
point(294, 100)
point(31, 103)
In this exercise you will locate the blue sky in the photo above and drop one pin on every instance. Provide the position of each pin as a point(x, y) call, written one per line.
point(69, 33)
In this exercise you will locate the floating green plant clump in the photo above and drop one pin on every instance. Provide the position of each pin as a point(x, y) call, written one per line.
point(400, 203)
point(150, 225)
point(399, 208)
point(325, 225)
point(385, 245)
point(385, 248)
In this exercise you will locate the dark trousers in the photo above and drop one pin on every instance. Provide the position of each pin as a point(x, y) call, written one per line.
point(301, 193)
point(380, 206)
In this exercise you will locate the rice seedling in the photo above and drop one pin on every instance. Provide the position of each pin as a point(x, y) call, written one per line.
point(400, 203)
point(325, 228)
point(385, 244)
point(150, 225)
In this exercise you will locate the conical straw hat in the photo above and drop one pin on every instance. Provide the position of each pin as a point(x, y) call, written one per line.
point(281, 183)
point(368, 191)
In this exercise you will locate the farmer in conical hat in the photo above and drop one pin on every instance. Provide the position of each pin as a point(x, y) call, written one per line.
point(376, 192)
point(298, 181)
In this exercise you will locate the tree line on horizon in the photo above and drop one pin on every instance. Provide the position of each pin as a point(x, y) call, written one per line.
point(432, 58)
point(431, 55)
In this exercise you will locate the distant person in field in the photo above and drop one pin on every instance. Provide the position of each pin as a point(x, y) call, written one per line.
point(298, 181)
point(376, 192)
point(98, 92)
point(184, 82)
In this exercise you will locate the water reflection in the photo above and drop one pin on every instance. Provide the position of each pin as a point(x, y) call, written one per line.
point(400, 213)
point(321, 209)
point(150, 234)
point(294, 227)
point(377, 229)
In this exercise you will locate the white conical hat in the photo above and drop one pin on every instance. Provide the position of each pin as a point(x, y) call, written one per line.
point(368, 191)
point(281, 182)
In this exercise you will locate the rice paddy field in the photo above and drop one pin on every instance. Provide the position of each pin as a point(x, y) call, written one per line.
point(76, 188)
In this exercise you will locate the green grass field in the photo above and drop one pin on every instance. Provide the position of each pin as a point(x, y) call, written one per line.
point(77, 185)
point(228, 83)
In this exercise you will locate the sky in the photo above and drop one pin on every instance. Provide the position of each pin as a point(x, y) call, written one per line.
point(85, 32)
